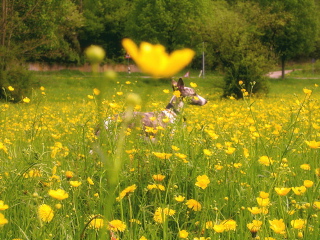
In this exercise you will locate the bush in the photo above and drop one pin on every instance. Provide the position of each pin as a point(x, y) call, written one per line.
point(251, 82)
point(18, 78)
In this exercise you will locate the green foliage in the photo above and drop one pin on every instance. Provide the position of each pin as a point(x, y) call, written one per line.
point(234, 41)
point(17, 77)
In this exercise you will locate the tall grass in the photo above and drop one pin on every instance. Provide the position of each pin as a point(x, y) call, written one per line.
point(163, 192)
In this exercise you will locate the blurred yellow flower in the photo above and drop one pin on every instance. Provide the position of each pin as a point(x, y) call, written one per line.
point(117, 226)
point(298, 223)
point(193, 204)
point(126, 191)
point(3, 220)
point(229, 224)
point(299, 190)
point(45, 213)
point(158, 177)
point(254, 226)
point(90, 181)
point(59, 194)
point(219, 228)
point(161, 213)
point(207, 152)
point(96, 223)
point(282, 191)
point(75, 183)
point(316, 205)
point(263, 194)
point(265, 160)
point(96, 91)
point(278, 226)
point(305, 167)
point(202, 181)
point(166, 90)
point(69, 174)
point(307, 183)
point(307, 91)
point(162, 155)
point(154, 60)
point(193, 85)
point(95, 54)
point(263, 202)
point(255, 210)
point(11, 89)
point(26, 100)
point(156, 186)
point(313, 144)
point(183, 234)
point(3, 206)
point(179, 198)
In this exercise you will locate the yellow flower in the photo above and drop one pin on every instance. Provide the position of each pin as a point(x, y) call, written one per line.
point(96, 223)
point(308, 183)
point(26, 100)
point(278, 226)
point(255, 210)
point(230, 150)
point(316, 205)
point(307, 91)
point(317, 172)
point(193, 204)
point(75, 183)
point(3, 206)
point(263, 202)
point(58, 206)
point(158, 177)
point(229, 224)
point(11, 89)
point(90, 181)
point(59, 194)
point(263, 194)
point(299, 190)
point(265, 160)
point(45, 213)
point(166, 90)
point(143, 238)
point(126, 191)
point(90, 97)
point(179, 198)
point(202, 181)
point(156, 186)
point(305, 167)
point(117, 225)
point(183, 234)
point(96, 91)
point(254, 226)
point(313, 144)
point(162, 155)
point(207, 152)
point(282, 191)
point(161, 213)
point(298, 223)
point(154, 60)
point(69, 174)
point(219, 228)
point(193, 85)
point(3, 220)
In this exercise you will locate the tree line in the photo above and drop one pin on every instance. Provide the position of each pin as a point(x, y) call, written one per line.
point(241, 37)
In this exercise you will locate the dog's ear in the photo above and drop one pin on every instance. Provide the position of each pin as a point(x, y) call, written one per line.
point(180, 84)
point(174, 85)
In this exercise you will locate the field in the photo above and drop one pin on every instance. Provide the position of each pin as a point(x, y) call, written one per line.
point(234, 169)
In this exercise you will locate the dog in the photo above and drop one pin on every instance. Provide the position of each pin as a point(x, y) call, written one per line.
point(151, 121)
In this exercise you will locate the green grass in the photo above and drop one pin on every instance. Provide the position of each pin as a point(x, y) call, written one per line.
point(53, 134)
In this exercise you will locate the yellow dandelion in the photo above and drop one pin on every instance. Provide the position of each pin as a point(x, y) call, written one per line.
point(158, 177)
point(126, 191)
point(45, 213)
point(117, 226)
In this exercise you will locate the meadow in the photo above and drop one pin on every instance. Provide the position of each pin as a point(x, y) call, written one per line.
point(234, 169)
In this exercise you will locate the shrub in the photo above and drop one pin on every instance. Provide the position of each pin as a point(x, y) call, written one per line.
point(17, 77)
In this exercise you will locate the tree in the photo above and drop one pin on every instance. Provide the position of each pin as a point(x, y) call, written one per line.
point(232, 36)
point(35, 29)
point(104, 25)
point(292, 28)
point(169, 22)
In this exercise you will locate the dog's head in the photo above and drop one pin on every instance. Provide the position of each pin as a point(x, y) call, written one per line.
point(188, 93)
